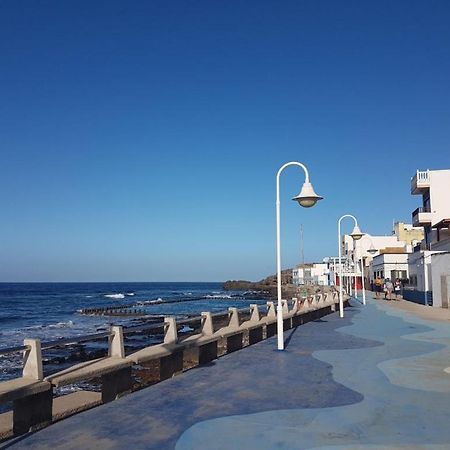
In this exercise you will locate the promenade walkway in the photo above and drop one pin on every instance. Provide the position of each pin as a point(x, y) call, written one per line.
point(373, 380)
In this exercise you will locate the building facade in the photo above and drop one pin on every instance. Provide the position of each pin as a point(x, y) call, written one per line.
point(311, 274)
point(428, 269)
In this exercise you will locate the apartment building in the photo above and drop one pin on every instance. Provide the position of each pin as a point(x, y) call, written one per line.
point(372, 250)
point(429, 264)
point(314, 273)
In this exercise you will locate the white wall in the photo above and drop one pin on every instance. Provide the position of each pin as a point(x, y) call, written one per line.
point(439, 195)
point(319, 274)
point(389, 262)
point(416, 268)
point(440, 266)
point(365, 243)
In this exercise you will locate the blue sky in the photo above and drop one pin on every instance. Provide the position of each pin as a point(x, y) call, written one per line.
point(140, 140)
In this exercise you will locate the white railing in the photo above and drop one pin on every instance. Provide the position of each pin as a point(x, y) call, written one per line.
point(422, 177)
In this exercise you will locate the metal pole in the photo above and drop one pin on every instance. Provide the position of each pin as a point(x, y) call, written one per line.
point(341, 299)
point(363, 281)
point(280, 331)
point(302, 246)
point(341, 302)
point(425, 280)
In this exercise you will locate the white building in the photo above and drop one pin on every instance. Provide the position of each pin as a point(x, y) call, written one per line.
point(440, 276)
point(428, 271)
point(315, 273)
point(390, 265)
point(370, 248)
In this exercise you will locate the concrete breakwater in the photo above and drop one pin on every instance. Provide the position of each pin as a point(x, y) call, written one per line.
point(139, 308)
point(121, 310)
point(212, 335)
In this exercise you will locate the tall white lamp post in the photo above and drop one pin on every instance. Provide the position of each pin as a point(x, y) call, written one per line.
point(307, 198)
point(355, 234)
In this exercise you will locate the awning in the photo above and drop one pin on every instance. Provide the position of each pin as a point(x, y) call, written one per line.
point(444, 223)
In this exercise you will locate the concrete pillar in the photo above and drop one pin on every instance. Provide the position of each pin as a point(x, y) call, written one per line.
point(170, 365)
point(116, 344)
point(255, 316)
point(207, 352)
point(233, 316)
point(170, 330)
point(207, 326)
point(234, 342)
point(255, 335)
point(115, 384)
point(31, 411)
point(271, 313)
point(32, 360)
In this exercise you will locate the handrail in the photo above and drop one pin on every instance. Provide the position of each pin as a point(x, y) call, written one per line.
point(97, 336)
point(18, 348)
point(421, 209)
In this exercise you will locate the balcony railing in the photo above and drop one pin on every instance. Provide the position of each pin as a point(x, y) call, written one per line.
point(421, 216)
point(420, 180)
point(421, 209)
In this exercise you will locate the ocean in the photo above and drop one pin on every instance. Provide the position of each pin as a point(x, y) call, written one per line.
point(50, 311)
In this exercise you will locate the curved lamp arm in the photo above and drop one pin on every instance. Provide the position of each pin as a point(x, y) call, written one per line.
point(280, 337)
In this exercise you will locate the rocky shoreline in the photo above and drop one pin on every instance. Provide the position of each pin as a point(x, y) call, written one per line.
point(267, 287)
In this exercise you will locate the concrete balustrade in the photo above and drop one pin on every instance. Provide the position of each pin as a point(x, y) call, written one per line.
point(114, 370)
point(254, 325)
point(32, 394)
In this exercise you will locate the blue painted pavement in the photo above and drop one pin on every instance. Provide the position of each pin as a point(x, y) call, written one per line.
point(374, 380)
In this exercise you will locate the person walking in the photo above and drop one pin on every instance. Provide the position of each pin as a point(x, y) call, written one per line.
point(388, 288)
point(397, 289)
point(378, 287)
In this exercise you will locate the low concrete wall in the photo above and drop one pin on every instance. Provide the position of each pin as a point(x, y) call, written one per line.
point(35, 407)
point(417, 296)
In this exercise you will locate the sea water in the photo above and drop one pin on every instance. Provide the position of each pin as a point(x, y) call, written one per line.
point(50, 311)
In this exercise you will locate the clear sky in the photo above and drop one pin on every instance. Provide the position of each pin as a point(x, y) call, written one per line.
point(139, 140)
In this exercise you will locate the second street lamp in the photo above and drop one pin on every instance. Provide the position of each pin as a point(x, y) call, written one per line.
point(306, 198)
point(356, 234)
point(372, 250)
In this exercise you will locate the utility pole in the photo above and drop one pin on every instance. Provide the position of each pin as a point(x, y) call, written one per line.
point(301, 246)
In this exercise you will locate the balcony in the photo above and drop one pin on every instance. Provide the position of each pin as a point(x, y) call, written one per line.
point(420, 182)
point(421, 217)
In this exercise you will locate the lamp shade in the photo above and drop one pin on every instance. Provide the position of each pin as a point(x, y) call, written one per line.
point(356, 234)
point(372, 250)
point(307, 196)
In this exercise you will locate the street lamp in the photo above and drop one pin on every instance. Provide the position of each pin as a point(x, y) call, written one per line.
point(372, 250)
point(356, 234)
point(307, 198)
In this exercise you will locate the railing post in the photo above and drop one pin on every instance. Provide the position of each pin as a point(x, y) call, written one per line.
point(116, 343)
point(207, 327)
point(254, 317)
point(271, 314)
point(233, 318)
point(208, 351)
point(32, 360)
point(170, 330)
